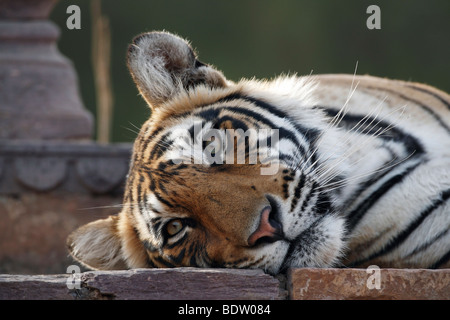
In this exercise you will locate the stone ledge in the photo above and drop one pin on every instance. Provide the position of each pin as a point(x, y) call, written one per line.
point(86, 168)
point(230, 284)
point(361, 284)
point(145, 284)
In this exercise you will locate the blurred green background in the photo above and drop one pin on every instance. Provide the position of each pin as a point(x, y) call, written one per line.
point(262, 38)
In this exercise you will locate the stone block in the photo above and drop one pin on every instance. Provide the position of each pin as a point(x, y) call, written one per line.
point(144, 284)
point(362, 284)
point(184, 284)
point(34, 228)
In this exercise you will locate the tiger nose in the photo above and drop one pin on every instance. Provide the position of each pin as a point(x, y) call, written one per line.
point(268, 230)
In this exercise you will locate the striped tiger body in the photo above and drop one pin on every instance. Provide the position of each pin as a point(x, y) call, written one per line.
point(361, 174)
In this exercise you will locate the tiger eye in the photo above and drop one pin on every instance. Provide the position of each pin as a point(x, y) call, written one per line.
point(174, 226)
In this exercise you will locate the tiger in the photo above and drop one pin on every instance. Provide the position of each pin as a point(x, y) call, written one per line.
point(357, 171)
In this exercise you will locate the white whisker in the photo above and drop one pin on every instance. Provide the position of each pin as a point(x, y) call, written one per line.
point(114, 206)
point(344, 182)
point(334, 122)
point(349, 134)
point(360, 142)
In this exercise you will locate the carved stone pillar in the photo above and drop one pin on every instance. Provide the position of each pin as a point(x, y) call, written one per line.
point(39, 96)
point(50, 182)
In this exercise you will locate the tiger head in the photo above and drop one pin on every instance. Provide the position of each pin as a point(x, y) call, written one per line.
point(223, 174)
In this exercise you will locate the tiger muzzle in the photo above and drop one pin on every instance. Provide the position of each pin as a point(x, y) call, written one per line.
point(269, 229)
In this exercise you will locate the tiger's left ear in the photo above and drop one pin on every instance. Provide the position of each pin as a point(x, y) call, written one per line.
point(162, 65)
point(97, 245)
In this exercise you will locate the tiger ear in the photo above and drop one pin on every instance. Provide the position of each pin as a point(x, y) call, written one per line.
point(97, 245)
point(162, 65)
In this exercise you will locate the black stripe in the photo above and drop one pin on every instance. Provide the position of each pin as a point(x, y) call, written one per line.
point(161, 199)
point(356, 195)
point(164, 262)
point(286, 190)
point(176, 243)
point(162, 187)
point(163, 165)
point(155, 223)
point(259, 103)
point(161, 146)
point(297, 191)
point(150, 263)
point(164, 142)
point(129, 192)
point(145, 143)
point(308, 197)
point(286, 157)
point(193, 261)
point(413, 147)
point(283, 133)
point(178, 258)
point(445, 258)
point(403, 235)
point(436, 117)
point(447, 103)
point(348, 121)
point(209, 114)
point(199, 256)
point(426, 245)
point(424, 107)
point(357, 214)
point(310, 134)
point(152, 183)
point(140, 196)
point(323, 204)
